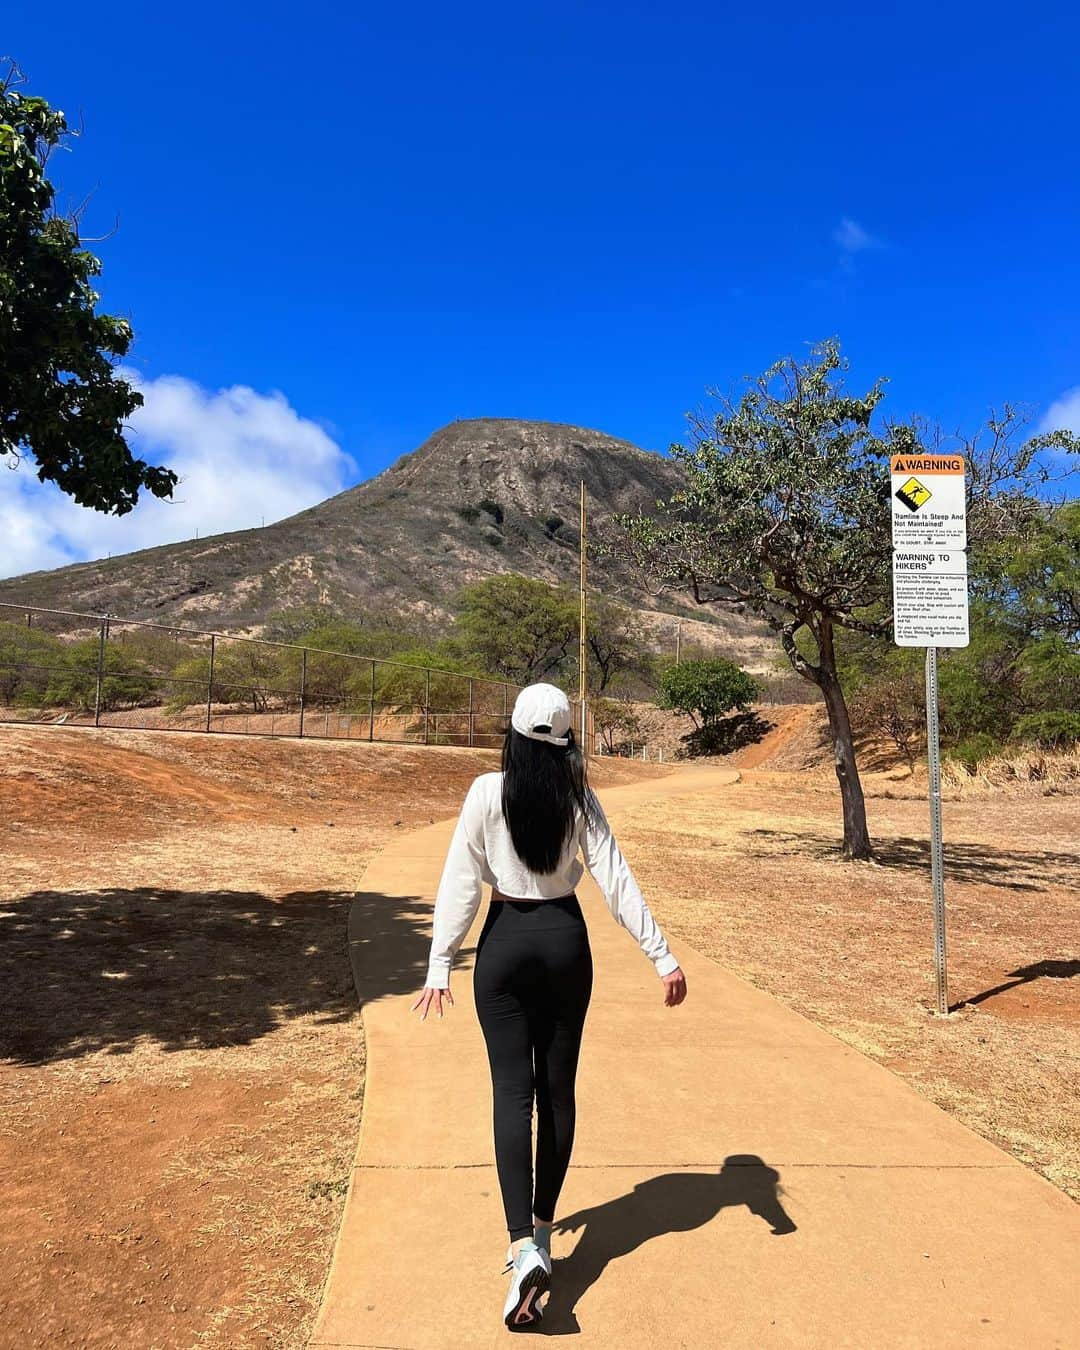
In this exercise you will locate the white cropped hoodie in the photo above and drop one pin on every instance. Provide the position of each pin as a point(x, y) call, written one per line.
point(481, 850)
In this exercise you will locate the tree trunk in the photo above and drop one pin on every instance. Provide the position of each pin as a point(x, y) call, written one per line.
point(856, 834)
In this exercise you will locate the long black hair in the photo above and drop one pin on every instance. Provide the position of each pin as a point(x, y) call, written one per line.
point(543, 787)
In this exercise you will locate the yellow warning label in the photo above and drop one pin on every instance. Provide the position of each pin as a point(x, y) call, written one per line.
point(914, 494)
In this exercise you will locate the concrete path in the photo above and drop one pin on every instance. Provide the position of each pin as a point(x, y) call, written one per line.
point(739, 1178)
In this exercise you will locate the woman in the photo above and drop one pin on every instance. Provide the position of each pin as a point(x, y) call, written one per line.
point(520, 831)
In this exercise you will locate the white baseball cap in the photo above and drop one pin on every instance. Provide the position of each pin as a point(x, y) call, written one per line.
point(542, 705)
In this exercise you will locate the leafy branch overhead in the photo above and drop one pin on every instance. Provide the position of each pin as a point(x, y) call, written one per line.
point(786, 505)
point(61, 400)
point(785, 511)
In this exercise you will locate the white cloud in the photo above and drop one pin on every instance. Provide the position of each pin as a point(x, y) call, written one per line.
point(853, 238)
point(242, 457)
point(1063, 414)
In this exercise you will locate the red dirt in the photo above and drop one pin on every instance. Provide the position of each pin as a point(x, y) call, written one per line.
point(181, 1054)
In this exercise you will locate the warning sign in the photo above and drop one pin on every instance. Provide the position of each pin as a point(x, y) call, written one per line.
point(930, 599)
point(928, 505)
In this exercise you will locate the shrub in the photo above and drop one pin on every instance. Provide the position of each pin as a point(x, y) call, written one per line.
point(616, 722)
point(125, 680)
point(1050, 730)
point(706, 689)
point(978, 746)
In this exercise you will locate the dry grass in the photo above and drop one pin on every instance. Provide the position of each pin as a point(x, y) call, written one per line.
point(1046, 771)
point(181, 1053)
point(760, 888)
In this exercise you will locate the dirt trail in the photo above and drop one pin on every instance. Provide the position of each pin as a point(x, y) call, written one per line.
point(181, 1055)
point(841, 1207)
point(789, 722)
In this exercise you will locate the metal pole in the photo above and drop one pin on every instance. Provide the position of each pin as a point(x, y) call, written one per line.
point(937, 875)
point(470, 712)
point(582, 652)
point(210, 681)
point(371, 723)
point(678, 642)
point(100, 668)
point(303, 686)
point(427, 704)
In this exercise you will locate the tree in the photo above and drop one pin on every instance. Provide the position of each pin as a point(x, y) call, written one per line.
point(615, 641)
point(244, 672)
point(518, 628)
point(125, 680)
point(706, 690)
point(429, 677)
point(785, 510)
point(61, 399)
point(523, 630)
point(28, 656)
point(896, 706)
point(616, 721)
point(1019, 675)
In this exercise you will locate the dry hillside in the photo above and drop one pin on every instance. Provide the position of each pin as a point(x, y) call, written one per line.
point(478, 497)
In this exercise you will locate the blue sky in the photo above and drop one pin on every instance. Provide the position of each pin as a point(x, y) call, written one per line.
point(340, 230)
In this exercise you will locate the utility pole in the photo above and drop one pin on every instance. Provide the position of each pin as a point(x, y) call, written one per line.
point(582, 655)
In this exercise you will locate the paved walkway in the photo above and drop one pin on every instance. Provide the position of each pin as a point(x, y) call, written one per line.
point(740, 1178)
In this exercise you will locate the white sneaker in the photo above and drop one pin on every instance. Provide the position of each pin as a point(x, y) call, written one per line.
point(530, 1280)
point(509, 1261)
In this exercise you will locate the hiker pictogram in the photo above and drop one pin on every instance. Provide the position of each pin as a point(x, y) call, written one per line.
point(914, 494)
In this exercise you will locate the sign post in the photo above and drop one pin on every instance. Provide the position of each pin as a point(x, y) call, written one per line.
point(583, 669)
point(930, 609)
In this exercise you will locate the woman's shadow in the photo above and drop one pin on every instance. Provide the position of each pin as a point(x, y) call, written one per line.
point(676, 1202)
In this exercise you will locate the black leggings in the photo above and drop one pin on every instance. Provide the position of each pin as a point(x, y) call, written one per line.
point(532, 981)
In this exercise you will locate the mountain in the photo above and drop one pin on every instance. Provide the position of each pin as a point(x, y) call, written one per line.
point(478, 497)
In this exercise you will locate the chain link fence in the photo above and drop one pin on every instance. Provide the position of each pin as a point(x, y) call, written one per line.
point(76, 669)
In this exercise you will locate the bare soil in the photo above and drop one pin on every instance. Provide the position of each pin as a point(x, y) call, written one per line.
point(754, 879)
point(181, 1054)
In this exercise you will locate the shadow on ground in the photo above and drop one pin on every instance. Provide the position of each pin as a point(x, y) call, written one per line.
point(675, 1202)
point(1037, 970)
point(86, 971)
point(1013, 869)
point(725, 736)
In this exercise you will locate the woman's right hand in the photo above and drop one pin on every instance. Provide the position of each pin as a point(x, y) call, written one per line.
point(428, 997)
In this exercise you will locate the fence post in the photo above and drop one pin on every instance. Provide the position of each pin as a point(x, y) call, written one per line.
point(371, 720)
point(303, 685)
point(470, 712)
point(100, 668)
point(210, 680)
